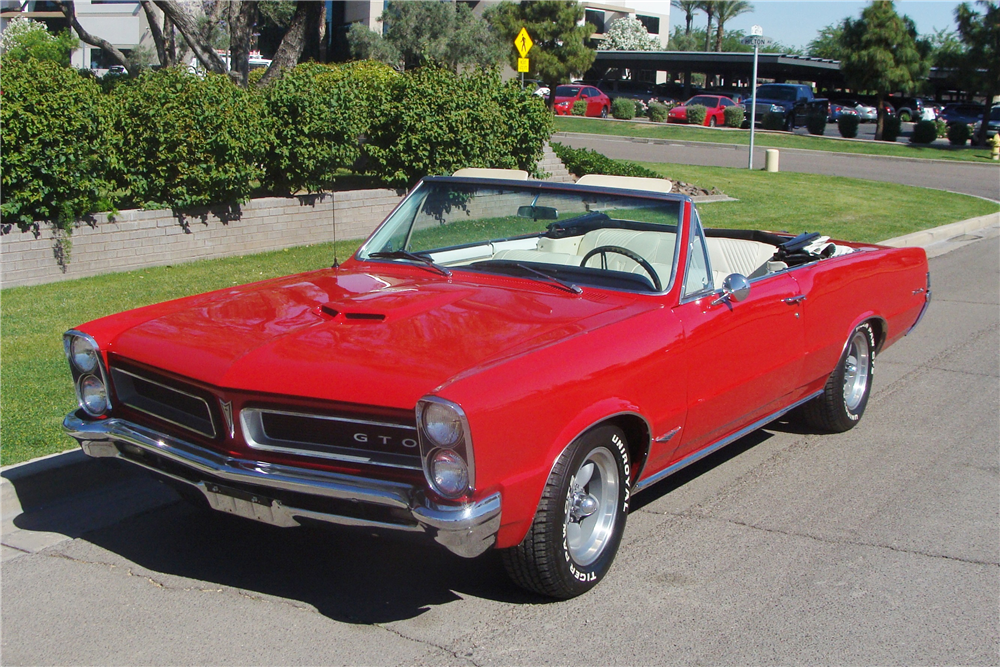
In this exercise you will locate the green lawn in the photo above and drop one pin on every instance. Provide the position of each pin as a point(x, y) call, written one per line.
point(36, 391)
point(648, 130)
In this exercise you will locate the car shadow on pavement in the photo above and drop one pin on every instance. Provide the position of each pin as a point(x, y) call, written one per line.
point(349, 575)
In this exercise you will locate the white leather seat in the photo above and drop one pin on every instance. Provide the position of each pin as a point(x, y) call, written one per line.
point(730, 256)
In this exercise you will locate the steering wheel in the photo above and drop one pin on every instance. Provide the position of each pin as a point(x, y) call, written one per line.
point(634, 256)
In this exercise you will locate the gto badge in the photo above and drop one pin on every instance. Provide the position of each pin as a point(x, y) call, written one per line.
point(227, 414)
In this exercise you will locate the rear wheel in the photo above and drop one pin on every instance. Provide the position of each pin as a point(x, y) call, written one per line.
point(580, 519)
point(712, 121)
point(846, 394)
point(604, 112)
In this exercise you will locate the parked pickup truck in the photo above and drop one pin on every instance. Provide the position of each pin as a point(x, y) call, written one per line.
point(793, 100)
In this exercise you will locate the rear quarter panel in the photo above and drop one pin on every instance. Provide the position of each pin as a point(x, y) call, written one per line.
point(841, 292)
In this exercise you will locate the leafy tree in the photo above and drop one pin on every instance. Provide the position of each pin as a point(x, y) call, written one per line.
point(880, 54)
point(689, 7)
point(24, 39)
point(555, 27)
point(428, 33)
point(981, 35)
point(725, 10)
point(828, 42)
point(629, 34)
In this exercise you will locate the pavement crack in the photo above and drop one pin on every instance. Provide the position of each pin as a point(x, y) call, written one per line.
point(857, 543)
point(424, 642)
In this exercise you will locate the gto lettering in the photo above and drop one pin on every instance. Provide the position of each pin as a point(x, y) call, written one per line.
point(361, 437)
point(409, 442)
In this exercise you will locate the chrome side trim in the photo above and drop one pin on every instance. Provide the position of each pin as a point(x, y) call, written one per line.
point(719, 444)
point(923, 310)
point(466, 529)
point(667, 437)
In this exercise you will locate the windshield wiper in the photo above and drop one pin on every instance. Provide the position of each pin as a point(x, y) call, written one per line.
point(413, 257)
point(552, 280)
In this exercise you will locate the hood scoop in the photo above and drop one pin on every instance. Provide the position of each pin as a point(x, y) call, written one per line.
point(350, 316)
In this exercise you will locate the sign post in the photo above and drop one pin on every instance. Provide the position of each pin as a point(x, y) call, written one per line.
point(756, 39)
point(523, 44)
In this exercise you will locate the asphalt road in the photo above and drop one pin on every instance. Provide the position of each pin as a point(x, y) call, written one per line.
point(981, 180)
point(877, 546)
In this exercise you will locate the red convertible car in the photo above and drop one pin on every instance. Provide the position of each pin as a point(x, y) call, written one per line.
point(501, 365)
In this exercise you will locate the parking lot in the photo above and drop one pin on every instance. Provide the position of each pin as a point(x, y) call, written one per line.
point(877, 546)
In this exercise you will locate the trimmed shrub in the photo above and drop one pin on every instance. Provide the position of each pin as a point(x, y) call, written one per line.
point(891, 128)
point(184, 140)
point(773, 120)
point(959, 134)
point(816, 123)
point(924, 132)
point(318, 114)
point(942, 128)
point(735, 116)
point(53, 151)
point(696, 114)
point(579, 108)
point(623, 109)
point(848, 126)
point(436, 122)
point(640, 108)
point(583, 161)
point(658, 112)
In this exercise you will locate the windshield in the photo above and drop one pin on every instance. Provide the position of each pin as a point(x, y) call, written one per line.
point(567, 91)
point(505, 228)
point(776, 93)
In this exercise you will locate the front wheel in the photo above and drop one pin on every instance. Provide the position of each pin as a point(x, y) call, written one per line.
point(712, 121)
point(580, 518)
point(845, 396)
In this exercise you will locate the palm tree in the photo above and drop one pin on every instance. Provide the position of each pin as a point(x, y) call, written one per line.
point(725, 10)
point(708, 6)
point(689, 7)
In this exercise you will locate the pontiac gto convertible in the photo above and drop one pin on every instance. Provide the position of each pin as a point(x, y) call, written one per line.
point(502, 364)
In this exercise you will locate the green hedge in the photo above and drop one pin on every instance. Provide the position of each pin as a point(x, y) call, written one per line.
point(816, 122)
point(182, 140)
point(891, 128)
point(773, 120)
point(959, 134)
point(437, 122)
point(579, 108)
point(848, 126)
point(623, 108)
point(583, 161)
point(924, 132)
point(696, 114)
point(658, 112)
point(735, 116)
point(53, 151)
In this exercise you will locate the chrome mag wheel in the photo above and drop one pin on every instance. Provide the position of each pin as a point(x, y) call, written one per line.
point(856, 367)
point(591, 506)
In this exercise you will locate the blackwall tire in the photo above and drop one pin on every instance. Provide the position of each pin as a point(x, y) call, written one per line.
point(844, 399)
point(580, 519)
point(604, 112)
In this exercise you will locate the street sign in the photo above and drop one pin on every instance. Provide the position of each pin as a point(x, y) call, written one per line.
point(522, 64)
point(757, 41)
point(523, 43)
point(757, 31)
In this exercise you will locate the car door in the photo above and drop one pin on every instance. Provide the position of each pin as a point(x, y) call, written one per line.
point(594, 103)
point(744, 358)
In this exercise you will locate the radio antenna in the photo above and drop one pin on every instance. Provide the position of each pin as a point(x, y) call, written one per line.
point(333, 217)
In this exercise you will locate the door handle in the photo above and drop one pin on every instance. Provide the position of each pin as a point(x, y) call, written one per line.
point(792, 300)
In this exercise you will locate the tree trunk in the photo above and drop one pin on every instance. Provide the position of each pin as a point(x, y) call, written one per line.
point(170, 44)
point(69, 11)
point(206, 55)
point(242, 19)
point(880, 105)
point(708, 30)
point(292, 43)
point(154, 29)
point(985, 122)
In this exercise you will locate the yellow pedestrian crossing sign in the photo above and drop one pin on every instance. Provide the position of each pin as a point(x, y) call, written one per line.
point(522, 65)
point(523, 42)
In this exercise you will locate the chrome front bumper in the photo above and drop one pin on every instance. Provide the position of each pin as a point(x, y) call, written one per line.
point(467, 529)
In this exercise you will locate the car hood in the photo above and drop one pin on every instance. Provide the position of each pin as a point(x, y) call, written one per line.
point(385, 338)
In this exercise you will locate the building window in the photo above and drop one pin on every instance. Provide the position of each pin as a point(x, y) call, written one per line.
point(596, 19)
point(652, 23)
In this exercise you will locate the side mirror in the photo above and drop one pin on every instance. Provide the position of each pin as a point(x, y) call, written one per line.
point(735, 287)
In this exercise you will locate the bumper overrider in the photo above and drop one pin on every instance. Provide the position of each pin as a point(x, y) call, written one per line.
point(283, 495)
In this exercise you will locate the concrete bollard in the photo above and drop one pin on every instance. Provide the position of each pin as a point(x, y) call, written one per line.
point(771, 159)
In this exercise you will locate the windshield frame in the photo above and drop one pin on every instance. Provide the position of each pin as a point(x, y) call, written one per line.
point(363, 254)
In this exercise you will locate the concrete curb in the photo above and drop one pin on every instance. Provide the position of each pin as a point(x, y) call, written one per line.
point(42, 486)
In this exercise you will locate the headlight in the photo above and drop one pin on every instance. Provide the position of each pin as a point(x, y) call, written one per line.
point(449, 472)
point(82, 354)
point(442, 424)
point(777, 108)
point(93, 395)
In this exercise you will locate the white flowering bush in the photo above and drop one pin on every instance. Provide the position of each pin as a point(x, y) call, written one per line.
point(629, 34)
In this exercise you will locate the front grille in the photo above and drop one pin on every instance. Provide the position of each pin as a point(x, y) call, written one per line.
point(338, 438)
point(163, 401)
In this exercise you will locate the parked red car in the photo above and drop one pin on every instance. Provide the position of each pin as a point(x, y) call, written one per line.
point(501, 365)
point(598, 104)
point(715, 106)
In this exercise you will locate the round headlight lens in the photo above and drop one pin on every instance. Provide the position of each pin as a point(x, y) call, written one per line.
point(84, 354)
point(442, 424)
point(449, 472)
point(93, 395)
